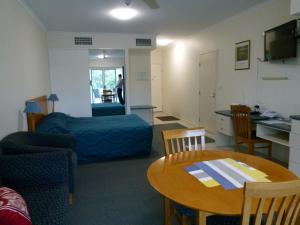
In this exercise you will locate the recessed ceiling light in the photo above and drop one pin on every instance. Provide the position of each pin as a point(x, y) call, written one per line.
point(163, 42)
point(123, 13)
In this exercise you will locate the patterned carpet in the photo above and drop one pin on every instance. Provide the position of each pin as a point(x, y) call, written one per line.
point(118, 192)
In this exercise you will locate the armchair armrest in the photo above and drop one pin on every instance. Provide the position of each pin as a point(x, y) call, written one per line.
point(22, 138)
point(53, 140)
point(34, 169)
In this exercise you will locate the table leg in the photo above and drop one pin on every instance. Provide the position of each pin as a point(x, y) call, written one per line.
point(201, 218)
point(168, 212)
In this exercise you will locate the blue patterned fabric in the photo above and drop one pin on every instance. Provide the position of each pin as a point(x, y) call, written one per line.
point(102, 138)
point(108, 109)
point(29, 142)
point(42, 180)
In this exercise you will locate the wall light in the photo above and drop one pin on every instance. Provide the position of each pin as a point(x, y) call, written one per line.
point(123, 13)
point(163, 42)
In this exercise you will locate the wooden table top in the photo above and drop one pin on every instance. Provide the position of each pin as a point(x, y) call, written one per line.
point(168, 177)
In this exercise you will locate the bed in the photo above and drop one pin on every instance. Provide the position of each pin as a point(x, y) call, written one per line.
point(101, 138)
point(108, 109)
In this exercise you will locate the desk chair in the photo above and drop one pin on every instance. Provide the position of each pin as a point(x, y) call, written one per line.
point(107, 96)
point(180, 140)
point(96, 93)
point(280, 200)
point(243, 133)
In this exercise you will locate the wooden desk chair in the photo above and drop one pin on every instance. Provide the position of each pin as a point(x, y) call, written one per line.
point(282, 198)
point(243, 130)
point(186, 139)
point(180, 140)
point(106, 95)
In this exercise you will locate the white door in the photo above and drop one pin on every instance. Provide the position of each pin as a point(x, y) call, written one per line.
point(207, 90)
point(156, 86)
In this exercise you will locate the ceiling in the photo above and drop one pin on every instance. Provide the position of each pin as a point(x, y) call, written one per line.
point(173, 18)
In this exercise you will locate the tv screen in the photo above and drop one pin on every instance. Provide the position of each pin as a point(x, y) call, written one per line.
point(281, 41)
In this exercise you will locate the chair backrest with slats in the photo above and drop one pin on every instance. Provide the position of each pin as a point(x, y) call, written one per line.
point(180, 140)
point(241, 121)
point(278, 203)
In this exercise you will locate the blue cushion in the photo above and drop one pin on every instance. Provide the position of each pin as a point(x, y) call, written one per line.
point(184, 211)
point(55, 123)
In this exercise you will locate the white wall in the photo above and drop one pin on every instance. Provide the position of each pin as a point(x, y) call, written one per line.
point(181, 66)
point(62, 41)
point(139, 79)
point(100, 40)
point(107, 63)
point(295, 7)
point(23, 64)
point(70, 81)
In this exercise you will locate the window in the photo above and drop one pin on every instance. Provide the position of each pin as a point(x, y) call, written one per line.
point(103, 78)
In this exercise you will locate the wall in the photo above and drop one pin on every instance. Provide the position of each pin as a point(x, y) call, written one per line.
point(100, 40)
point(139, 80)
point(295, 7)
point(63, 41)
point(247, 86)
point(156, 79)
point(70, 80)
point(107, 63)
point(23, 64)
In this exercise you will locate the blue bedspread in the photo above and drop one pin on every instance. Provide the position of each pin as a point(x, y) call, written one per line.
point(102, 138)
point(108, 109)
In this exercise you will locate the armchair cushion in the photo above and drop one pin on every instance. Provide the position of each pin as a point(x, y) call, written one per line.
point(13, 209)
point(39, 146)
point(29, 142)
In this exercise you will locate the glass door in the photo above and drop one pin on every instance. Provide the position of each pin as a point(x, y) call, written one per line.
point(103, 79)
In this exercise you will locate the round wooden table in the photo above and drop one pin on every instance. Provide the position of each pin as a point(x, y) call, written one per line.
point(168, 177)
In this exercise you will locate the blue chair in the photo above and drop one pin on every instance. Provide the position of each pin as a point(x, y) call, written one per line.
point(42, 179)
point(20, 143)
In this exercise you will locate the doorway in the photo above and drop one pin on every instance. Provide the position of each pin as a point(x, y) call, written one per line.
point(107, 76)
point(156, 86)
point(207, 90)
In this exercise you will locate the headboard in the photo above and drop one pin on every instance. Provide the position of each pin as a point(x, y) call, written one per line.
point(34, 119)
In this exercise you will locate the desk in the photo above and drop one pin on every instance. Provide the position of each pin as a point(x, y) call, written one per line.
point(168, 177)
point(108, 97)
point(276, 131)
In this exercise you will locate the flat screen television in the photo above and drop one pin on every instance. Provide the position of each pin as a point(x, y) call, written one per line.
point(281, 41)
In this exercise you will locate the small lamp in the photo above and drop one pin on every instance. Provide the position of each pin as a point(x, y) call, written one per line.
point(31, 108)
point(53, 98)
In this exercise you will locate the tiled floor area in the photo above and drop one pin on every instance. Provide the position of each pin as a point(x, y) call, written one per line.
point(184, 123)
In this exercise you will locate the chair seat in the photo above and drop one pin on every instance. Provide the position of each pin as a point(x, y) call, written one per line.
point(184, 211)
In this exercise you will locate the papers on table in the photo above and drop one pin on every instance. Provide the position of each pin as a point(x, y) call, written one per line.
point(228, 173)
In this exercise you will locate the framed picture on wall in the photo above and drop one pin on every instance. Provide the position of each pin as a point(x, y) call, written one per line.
point(242, 55)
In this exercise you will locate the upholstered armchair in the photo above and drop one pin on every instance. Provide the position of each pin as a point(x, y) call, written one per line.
point(41, 168)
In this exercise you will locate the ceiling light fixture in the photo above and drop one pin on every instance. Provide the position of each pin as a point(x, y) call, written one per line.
point(123, 13)
point(163, 42)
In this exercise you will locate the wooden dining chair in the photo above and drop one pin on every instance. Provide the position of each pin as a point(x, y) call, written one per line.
point(243, 132)
point(186, 139)
point(180, 140)
point(281, 201)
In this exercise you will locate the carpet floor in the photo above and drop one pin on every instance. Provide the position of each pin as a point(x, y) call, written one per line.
point(118, 192)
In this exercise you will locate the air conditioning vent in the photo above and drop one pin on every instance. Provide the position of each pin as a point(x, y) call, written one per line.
point(83, 41)
point(143, 42)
